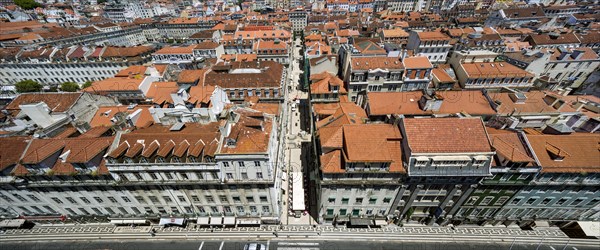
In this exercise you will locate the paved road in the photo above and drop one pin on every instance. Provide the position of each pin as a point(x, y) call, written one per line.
point(274, 245)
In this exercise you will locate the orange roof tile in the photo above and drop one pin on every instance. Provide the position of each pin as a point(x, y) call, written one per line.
point(580, 151)
point(419, 62)
point(446, 135)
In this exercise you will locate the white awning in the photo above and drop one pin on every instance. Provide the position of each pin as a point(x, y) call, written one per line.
point(216, 221)
point(481, 158)
point(590, 228)
point(298, 192)
point(120, 221)
point(171, 221)
point(14, 223)
point(229, 220)
point(248, 221)
point(203, 221)
point(451, 158)
point(537, 117)
point(380, 222)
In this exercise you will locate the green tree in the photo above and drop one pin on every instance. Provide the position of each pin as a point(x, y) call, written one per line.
point(86, 84)
point(28, 86)
point(27, 4)
point(69, 87)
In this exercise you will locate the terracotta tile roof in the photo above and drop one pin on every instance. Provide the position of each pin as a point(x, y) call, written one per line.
point(207, 45)
point(160, 92)
point(115, 84)
point(588, 54)
point(181, 148)
point(419, 62)
point(151, 149)
point(269, 45)
point(201, 94)
point(580, 151)
point(325, 109)
point(432, 36)
point(325, 86)
point(367, 63)
point(367, 47)
point(249, 136)
point(509, 146)
point(468, 101)
point(270, 75)
point(268, 108)
point(493, 70)
point(68, 132)
point(373, 143)
point(191, 76)
point(11, 149)
point(103, 116)
point(96, 132)
point(134, 70)
point(170, 50)
point(446, 135)
point(195, 134)
point(534, 104)
point(57, 102)
point(545, 39)
point(77, 150)
point(442, 76)
point(126, 51)
point(394, 33)
point(239, 57)
point(331, 162)
point(347, 113)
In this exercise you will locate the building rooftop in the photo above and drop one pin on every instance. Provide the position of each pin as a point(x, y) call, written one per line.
point(493, 70)
point(446, 135)
point(574, 153)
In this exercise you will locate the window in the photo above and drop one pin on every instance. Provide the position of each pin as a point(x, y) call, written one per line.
point(372, 200)
point(21, 198)
point(169, 176)
point(184, 176)
point(82, 210)
point(50, 209)
point(486, 200)
point(167, 199)
point(241, 163)
point(7, 198)
point(174, 210)
point(57, 200)
point(209, 198)
point(266, 209)
point(153, 176)
point(546, 201)
point(259, 175)
point(244, 176)
point(195, 198)
point(387, 200)
point(223, 198)
point(181, 198)
point(135, 210)
point(153, 199)
point(240, 209)
point(501, 200)
point(33, 197)
point(531, 201)
point(331, 200)
point(472, 200)
point(226, 164)
point(214, 175)
point(138, 176)
point(199, 176)
point(125, 198)
point(576, 202)
point(263, 199)
point(229, 175)
point(227, 209)
point(85, 200)
point(257, 163)
point(236, 199)
point(345, 200)
point(98, 199)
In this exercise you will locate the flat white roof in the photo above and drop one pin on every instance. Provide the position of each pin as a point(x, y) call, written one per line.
point(298, 192)
point(590, 228)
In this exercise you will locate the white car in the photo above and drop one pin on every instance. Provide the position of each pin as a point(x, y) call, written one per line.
point(254, 246)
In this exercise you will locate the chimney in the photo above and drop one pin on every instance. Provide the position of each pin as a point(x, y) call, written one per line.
point(430, 101)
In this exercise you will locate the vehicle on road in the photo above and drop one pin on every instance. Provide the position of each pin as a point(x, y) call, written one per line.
point(254, 246)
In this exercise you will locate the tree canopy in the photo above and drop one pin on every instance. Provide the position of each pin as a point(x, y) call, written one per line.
point(27, 4)
point(69, 87)
point(86, 84)
point(28, 86)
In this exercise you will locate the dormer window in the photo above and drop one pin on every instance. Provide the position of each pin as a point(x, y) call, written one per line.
point(193, 159)
point(176, 159)
point(143, 160)
point(160, 159)
point(556, 153)
point(128, 160)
